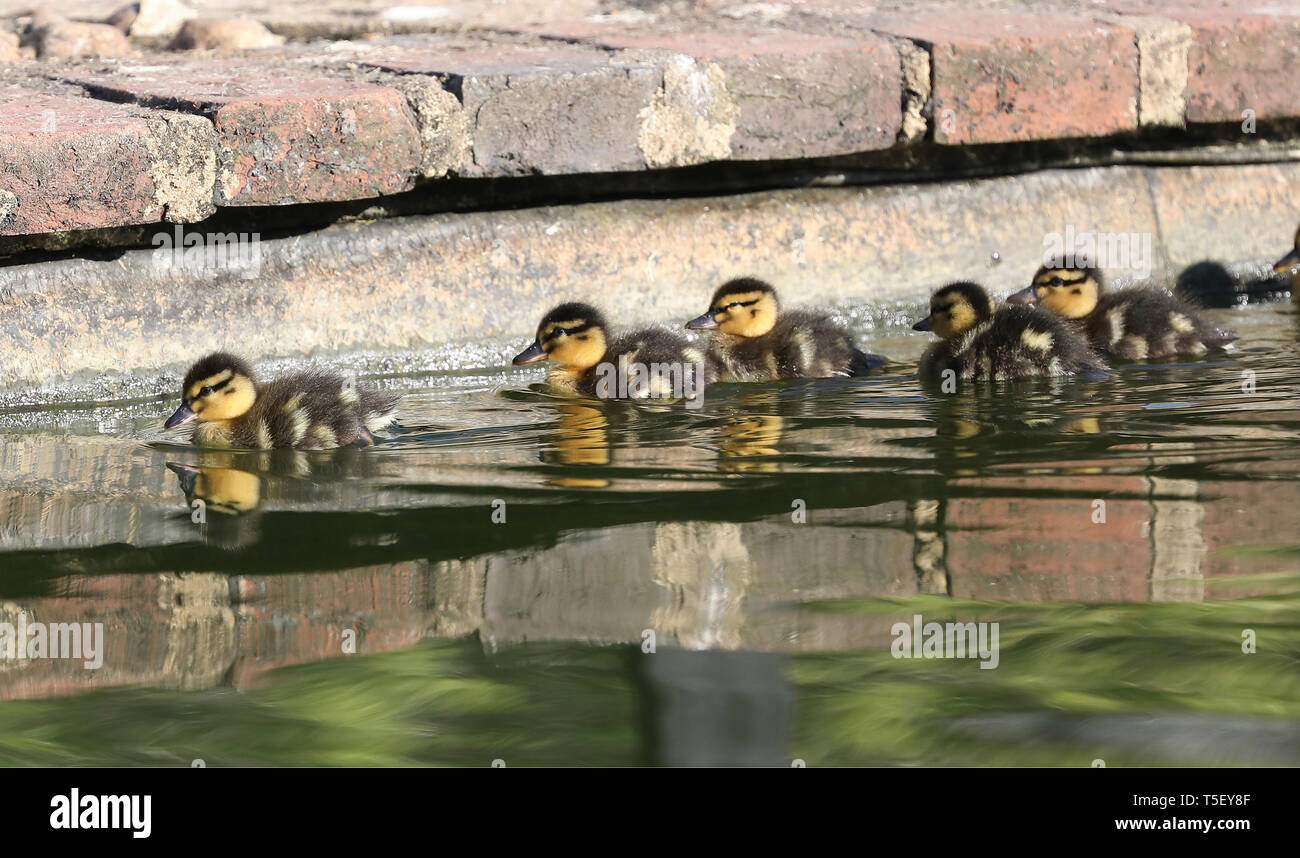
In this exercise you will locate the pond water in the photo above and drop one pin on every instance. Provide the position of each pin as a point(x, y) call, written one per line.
point(515, 578)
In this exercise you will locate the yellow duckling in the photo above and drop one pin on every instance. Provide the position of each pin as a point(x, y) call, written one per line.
point(1130, 324)
point(755, 341)
point(1290, 264)
point(981, 344)
point(310, 410)
point(588, 360)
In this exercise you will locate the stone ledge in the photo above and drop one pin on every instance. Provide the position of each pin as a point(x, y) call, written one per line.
point(70, 163)
point(427, 281)
point(282, 138)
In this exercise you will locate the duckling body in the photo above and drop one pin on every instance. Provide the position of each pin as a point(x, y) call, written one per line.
point(1131, 324)
point(979, 343)
point(587, 359)
point(313, 410)
point(754, 340)
point(1290, 266)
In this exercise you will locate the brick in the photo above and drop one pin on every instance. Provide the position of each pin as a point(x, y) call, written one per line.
point(70, 163)
point(1002, 77)
point(548, 110)
point(1163, 46)
point(284, 137)
point(794, 95)
point(1242, 55)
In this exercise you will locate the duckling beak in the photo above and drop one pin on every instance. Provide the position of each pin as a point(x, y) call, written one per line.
point(923, 325)
point(530, 354)
point(1288, 263)
point(1026, 295)
point(703, 323)
point(183, 415)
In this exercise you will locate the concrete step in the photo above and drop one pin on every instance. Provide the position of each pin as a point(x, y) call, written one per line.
point(92, 325)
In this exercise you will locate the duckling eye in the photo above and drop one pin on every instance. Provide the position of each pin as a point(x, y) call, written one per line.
point(1056, 281)
point(205, 390)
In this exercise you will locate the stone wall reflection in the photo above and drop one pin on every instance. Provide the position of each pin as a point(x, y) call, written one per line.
point(697, 585)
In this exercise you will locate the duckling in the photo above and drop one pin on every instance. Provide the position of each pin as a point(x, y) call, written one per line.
point(1290, 264)
point(590, 361)
point(755, 341)
point(310, 410)
point(982, 344)
point(1130, 324)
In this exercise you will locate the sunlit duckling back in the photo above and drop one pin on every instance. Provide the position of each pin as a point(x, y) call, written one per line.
point(587, 359)
point(311, 410)
point(1130, 324)
point(980, 343)
point(754, 340)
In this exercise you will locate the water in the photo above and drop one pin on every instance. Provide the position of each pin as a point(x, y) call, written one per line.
point(1126, 535)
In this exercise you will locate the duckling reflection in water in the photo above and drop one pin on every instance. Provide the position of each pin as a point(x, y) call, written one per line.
point(973, 432)
point(229, 491)
point(755, 341)
point(588, 360)
point(311, 410)
point(222, 503)
point(980, 343)
point(1138, 323)
point(749, 442)
point(581, 438)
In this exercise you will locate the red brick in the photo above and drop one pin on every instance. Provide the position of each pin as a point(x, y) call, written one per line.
point(70, 163)
point(1243, 55)
point(283, 137)
point(1001, 77)
point(798, 95)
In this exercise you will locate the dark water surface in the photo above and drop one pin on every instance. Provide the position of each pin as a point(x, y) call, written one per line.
point(624, 527)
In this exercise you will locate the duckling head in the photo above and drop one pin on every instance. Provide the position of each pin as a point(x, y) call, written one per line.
point(746, 307)
point(572, 335)
point(218, 387)
point(955, 309)
point(1070, 292)
point(1289, 263)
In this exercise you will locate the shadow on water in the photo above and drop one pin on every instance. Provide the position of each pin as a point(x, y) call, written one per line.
point(516, 577)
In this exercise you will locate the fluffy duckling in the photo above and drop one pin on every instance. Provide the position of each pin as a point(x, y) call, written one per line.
point(1290, 264)
point(755, 341)
point(587, 357)
point(1130, 324)
point(310, 410)
point(982, 344)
